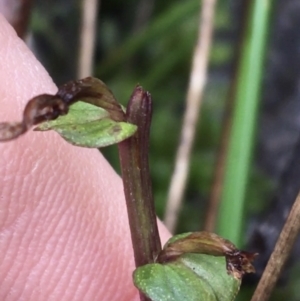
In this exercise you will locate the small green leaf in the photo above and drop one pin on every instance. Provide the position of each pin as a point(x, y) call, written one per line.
point(192, 277)
point(79, 112)
point(237, 262)
point(89, 126)
point(93, 91)
point(195, 266)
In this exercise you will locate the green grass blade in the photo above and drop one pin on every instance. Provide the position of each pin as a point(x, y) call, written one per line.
point(231, 213)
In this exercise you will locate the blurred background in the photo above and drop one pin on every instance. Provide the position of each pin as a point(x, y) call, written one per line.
point(152, 43)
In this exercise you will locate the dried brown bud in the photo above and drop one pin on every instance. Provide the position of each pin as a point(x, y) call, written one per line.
point(237, 262)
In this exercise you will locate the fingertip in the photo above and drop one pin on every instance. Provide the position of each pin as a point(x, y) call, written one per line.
point(60, 192)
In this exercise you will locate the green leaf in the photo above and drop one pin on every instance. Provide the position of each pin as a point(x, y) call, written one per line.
point(89, 126)
point(238, 262)
point(93, 91)
point(195, 266)
point(192, 277)
point(79, 112)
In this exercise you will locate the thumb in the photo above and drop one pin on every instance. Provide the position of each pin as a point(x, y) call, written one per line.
point(64, 231)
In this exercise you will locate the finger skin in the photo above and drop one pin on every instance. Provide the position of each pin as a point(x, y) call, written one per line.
point(63, 224)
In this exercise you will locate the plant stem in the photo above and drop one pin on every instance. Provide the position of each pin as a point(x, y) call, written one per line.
point(280, 254)
point(133, 154)
point(87, 37)
point(191, 115)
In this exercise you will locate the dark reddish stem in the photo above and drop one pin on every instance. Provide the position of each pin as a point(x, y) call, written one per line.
point(133, 154)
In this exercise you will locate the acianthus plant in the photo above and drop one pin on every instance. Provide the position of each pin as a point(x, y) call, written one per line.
point(191, 266)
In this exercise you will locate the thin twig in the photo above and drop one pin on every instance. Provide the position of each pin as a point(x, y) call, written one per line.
point(193, 102)
point(87, 38)
point(280, 254)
